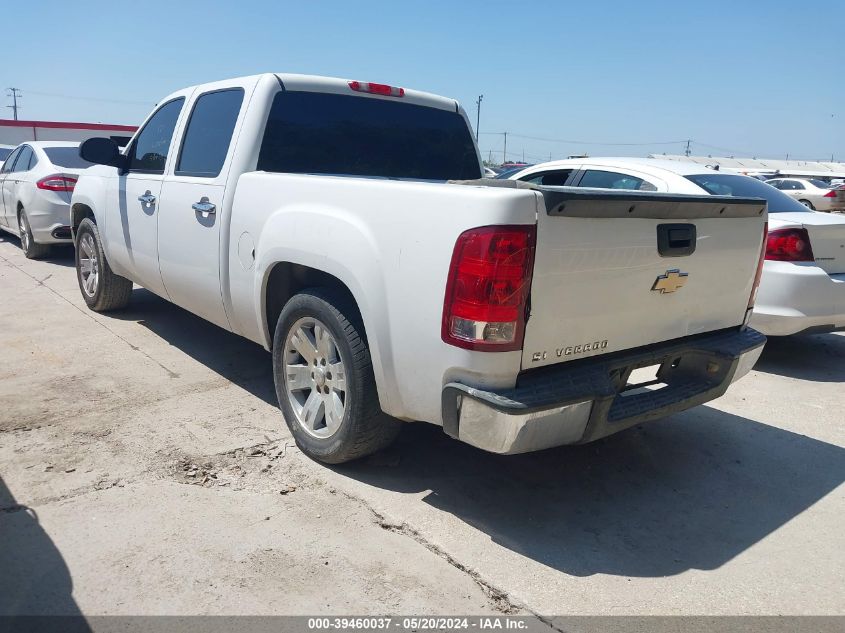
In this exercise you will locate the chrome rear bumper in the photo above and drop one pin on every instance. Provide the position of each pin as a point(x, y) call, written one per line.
point(581, 401)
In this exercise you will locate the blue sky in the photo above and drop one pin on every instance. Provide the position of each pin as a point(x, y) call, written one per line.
point(741, 77)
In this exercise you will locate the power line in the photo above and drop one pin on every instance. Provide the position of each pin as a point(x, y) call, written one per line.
point(14, 93)
point(77, 98)
point(573, 142)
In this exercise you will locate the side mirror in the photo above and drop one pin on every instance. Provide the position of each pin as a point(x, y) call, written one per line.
point(101, 151)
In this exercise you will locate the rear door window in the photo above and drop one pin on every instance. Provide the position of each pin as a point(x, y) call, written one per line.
point(555, 178)
point(209, 133)
point(24, 159)
point(336, 134)
point(148, 153)
point(600, 179)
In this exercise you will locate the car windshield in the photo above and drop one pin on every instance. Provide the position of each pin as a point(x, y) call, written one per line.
point(5, 151)
point(821, 184)
point(66, 157)
point(743, 186)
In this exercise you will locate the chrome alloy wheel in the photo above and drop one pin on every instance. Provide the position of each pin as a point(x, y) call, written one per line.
point(24, 229)
point(315, 377)
point(89, 264)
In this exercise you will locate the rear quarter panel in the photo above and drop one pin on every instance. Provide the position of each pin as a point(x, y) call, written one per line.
point(390, 242)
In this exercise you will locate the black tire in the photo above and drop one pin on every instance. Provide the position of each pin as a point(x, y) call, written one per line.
point(112, 292)
point(31, 249)
point(364, 428)
point(808, 204)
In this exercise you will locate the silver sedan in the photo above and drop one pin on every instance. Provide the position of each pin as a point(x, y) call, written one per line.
point(36, 181)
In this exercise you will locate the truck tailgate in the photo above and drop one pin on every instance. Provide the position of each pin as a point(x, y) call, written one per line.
point(618, 270)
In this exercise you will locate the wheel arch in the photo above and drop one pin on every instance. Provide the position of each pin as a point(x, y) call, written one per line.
point(78, 212)
point(284, 279)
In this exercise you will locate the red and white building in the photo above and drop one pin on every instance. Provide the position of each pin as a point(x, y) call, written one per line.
point(13, 133)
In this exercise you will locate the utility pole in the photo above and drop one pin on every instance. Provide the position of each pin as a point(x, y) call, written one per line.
point(687, 152)
point(505, 151)
point(14, 93)
point(478, 115)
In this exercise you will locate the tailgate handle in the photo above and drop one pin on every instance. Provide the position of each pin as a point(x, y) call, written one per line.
point(675, 240)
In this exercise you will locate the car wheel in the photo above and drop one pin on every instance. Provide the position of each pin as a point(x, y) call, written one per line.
point(324, 379)
point(101, 288)
point(808, 204)
point(31, 249)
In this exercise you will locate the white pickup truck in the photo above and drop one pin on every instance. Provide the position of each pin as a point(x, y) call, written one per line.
point(344, 226)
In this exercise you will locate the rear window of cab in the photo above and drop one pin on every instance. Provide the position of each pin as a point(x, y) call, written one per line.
point(333, 134)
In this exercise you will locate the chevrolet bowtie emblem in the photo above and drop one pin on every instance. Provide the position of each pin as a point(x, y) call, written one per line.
point(672, 281)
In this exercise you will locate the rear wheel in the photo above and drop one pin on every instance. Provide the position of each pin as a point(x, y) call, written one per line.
point(324, 379)
point(101, 288)
point(808, 204)
point(31, 249)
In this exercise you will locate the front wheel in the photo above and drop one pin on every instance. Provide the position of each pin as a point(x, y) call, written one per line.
point(101, 288)
point(31, 249)
point(324, 379)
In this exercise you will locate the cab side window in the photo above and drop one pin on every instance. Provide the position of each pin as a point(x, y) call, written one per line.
point(148, 153)
point(209, 133)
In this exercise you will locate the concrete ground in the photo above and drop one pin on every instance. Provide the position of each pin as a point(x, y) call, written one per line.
point(145, 469)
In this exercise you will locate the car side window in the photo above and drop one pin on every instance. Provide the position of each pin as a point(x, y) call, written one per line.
point(24, 158)
point(777, 184)
point(10, 161)
point(555, 178)
point(209, 133)
point(600, 179)
point(148, 153)
point(798, 185)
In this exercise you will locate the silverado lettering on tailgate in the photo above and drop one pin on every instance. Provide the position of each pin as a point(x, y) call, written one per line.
point(571, 350)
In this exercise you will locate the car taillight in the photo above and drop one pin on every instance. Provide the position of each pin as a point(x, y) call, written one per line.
point(830, 194)
point(377, 89)
point(789, 245)
point(487, 288)
point(56, 182)
point(763, 249)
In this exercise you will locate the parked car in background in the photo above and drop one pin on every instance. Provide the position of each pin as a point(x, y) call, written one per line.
point(36, 181)
point(812, 193)
point(385, 292)
point(803, 284)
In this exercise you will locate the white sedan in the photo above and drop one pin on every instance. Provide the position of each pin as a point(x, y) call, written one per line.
point(803, 285)
point(812, 193)
point(36, 181)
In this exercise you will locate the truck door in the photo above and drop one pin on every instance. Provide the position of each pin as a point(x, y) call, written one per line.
point(132, 214)
point(193, 209)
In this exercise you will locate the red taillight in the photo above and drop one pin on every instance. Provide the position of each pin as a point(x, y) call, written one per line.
point(830, 194)
point(789, 245)
point(753, 298)
point(487, 288)
point(56, 182)
point(377, 89)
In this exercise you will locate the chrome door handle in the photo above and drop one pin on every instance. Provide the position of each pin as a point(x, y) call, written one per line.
point(148, 198)
point(204, 206)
